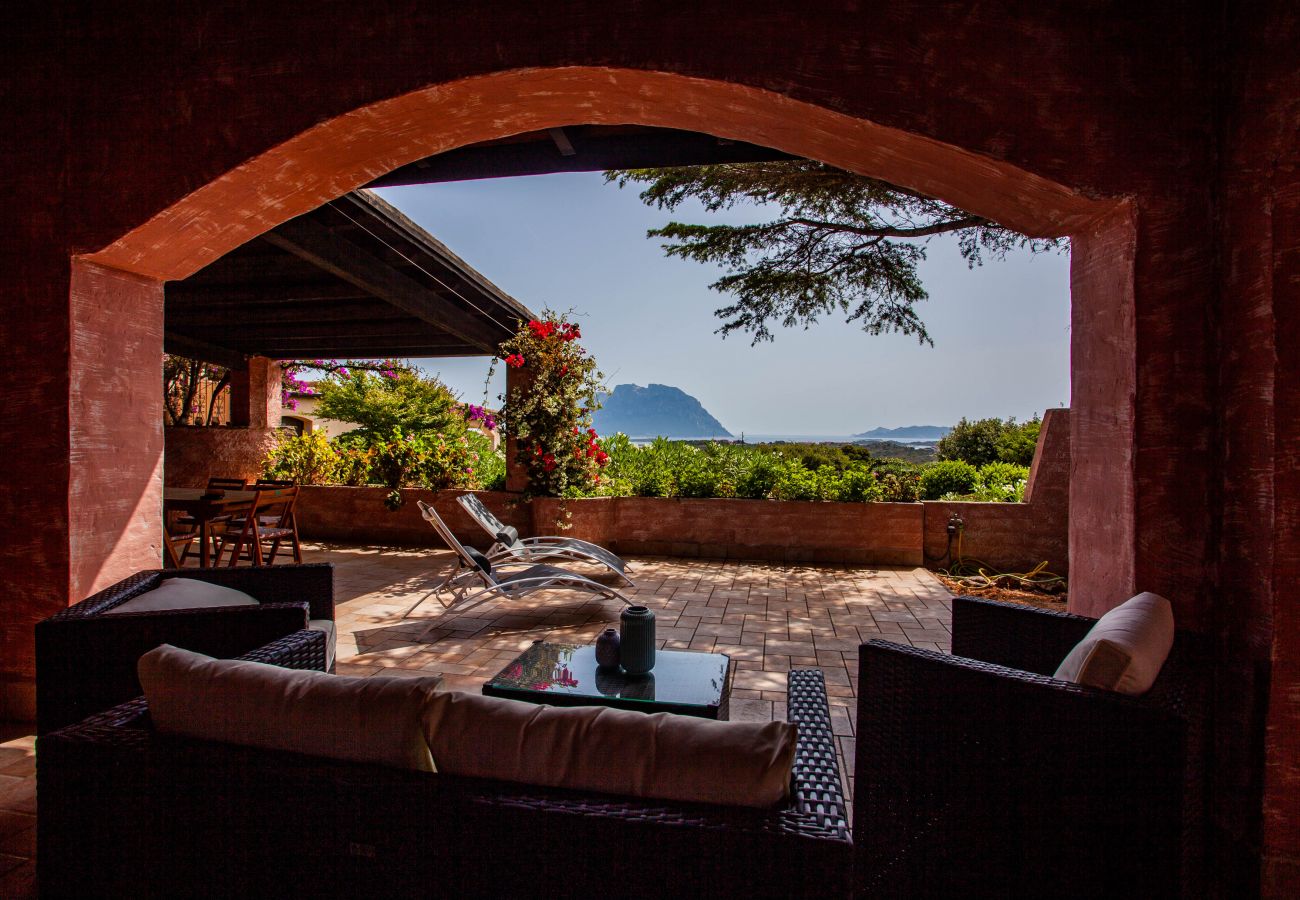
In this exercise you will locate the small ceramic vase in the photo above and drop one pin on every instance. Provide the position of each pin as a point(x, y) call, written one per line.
point(638, 647)
point(607, 649)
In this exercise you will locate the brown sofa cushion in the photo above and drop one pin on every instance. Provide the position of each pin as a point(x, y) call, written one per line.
point(612, 751)
point(375, 720)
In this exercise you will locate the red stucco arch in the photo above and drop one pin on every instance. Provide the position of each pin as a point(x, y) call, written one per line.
point(350, 150)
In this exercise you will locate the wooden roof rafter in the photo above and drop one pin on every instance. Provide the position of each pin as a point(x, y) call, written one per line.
point(354, 278)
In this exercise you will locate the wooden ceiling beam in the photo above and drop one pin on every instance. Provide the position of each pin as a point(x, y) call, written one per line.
point(244, 334)
point(192, 348)
point(314, 243)
point(235, 316)
point(188, 293)
point(358, 350)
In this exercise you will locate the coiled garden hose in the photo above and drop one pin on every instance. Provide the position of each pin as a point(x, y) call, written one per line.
point(976, 574)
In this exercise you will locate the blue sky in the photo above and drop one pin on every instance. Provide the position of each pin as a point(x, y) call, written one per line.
point(1001, 332)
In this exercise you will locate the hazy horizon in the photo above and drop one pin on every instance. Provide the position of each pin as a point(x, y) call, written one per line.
point(1001, 331)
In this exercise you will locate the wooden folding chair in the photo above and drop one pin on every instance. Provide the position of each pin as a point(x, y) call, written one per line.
point(176, 544)
point(220, 523)
point(269, 519)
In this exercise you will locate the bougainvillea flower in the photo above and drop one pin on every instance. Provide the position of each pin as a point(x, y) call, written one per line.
point(514, 360)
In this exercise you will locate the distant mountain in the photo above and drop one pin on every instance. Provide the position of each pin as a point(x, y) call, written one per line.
point(658, 410)
point(906, 433)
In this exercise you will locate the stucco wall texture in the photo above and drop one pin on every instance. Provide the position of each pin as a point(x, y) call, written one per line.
point(1163, 139)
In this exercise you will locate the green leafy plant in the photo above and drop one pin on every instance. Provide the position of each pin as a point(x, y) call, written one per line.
point(304, 459)
point(954, 477)
point(379, 403)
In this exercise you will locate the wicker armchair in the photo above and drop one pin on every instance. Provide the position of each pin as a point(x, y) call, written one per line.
point(979, 774)
point(85, 661)
point(125, 810)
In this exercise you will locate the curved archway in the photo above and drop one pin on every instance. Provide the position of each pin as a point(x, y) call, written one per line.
point(351, 150)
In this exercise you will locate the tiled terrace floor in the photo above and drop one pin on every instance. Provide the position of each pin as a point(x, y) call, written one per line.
point(767, 617)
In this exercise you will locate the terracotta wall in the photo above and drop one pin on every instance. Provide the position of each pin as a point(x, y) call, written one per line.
point(788, 530)
point(357, 515)
point(1258, 618)
point(1015, 537)
point(1027, 112)
point(194, 454)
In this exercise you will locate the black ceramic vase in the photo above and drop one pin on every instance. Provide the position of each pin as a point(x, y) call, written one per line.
point(607, 649)
point(638, 645)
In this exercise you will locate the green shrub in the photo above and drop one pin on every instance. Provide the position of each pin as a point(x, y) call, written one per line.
point(858, 484)
point(1002, 482)
point(305, 459)
point(1018, 442)
point(948, 477)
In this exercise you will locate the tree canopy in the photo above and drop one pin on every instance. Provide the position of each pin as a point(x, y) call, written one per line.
point(378, 403)
point(985, 441)
point(842, 242)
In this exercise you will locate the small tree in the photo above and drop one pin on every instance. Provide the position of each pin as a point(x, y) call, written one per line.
point(550, 416)
point(841, 243)
point(379, 404)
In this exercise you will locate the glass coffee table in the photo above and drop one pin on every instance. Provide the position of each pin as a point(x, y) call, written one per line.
point(685, 682)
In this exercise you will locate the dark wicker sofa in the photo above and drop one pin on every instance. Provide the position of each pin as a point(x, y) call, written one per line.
point(128, 812)
point(85, 661)
point(977, 774)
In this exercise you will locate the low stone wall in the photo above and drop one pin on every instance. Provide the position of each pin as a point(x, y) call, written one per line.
point(194, 453)
point(1015, 537)
point(1007, 536)
point(357, 515)
point(787, 530)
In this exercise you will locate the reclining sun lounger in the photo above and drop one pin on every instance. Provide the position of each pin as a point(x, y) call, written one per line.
point(509, 544)
point(476, 577)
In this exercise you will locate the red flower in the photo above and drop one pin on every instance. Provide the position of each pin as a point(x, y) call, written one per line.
point(591, 431)
point(577, 430)
point(591, 451)
point(514, 360)
point(564, 370)
point(602, 458)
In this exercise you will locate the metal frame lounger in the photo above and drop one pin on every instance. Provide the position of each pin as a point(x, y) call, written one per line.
point(509, 544)
point(473, 568)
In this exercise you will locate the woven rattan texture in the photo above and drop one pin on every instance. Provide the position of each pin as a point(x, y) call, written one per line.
point(381, 825)
point(975, 777)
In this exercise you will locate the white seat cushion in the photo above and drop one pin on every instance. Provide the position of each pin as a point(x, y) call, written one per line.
point(1126, 648)
point(371, 720)
point(612, 751)
point(183, 593)
point(327, 626)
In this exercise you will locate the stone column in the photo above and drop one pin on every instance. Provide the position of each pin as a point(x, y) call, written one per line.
point(255, 394)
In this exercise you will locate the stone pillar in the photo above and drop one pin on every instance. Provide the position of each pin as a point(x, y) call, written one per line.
point(255, 394)
point(516, 475)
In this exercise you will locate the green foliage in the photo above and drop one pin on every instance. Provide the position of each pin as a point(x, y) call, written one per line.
point(305, 459)
point(973, 442)
point(842, 243)
point(949, 477)
point(1001, 482)
point(380, 404)
point(431, 460)
point(992, 440)
point(1017, 443)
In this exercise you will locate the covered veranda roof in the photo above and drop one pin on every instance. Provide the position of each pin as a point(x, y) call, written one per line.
point(354, 278)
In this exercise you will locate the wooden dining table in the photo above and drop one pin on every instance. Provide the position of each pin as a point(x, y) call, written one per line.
point(203, 506)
